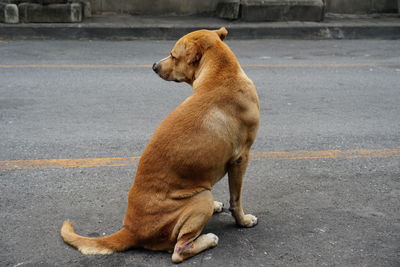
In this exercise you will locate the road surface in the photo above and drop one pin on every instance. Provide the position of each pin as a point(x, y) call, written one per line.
point(324, 181)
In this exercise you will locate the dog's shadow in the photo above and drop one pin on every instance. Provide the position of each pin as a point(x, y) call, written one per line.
point(234, 243)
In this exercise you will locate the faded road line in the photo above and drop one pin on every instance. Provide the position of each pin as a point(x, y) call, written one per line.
point(143, 66)
point(74, 66)
point(129, 161)
point(327, 154)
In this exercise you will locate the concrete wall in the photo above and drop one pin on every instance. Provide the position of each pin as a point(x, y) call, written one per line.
point(208, 7)
point(156, 7)
point(361, 6)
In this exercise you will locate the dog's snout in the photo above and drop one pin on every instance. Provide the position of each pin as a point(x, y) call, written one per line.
point(155, 67)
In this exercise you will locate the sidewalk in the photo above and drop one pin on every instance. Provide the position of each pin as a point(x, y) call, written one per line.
point(126, 27)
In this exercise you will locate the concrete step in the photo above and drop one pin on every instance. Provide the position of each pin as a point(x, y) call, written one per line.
point(125, 27)
point(44, 11)
point(9, 13)
point(58, 13)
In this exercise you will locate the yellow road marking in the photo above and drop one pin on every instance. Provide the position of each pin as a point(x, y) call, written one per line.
point(327, 154)
point(134, 66)
point(129, 161)
point(321, 65)
point(66, 163)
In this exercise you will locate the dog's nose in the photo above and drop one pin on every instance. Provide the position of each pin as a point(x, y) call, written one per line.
point(155, 67)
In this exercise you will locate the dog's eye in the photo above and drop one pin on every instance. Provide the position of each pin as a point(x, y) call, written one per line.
point(172, 56)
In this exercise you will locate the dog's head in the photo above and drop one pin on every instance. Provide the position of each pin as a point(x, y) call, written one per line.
point(185, 56)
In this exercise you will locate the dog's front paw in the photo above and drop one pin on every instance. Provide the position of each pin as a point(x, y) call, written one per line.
point(248, 221)
point(218, 206)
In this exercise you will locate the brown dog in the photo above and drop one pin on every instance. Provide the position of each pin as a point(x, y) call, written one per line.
point(207, 136)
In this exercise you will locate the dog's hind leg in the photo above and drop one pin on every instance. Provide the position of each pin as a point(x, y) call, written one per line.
point(185, 249)
point(189, 241)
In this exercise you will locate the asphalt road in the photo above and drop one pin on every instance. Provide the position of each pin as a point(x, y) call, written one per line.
point(95, 99)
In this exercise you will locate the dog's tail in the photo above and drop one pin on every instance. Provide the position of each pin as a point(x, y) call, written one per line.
point(118, 241)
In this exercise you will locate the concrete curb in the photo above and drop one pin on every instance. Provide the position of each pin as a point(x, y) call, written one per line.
point(162, 30)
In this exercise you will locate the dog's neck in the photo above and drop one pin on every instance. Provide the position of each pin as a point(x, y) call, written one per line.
point(216, 61)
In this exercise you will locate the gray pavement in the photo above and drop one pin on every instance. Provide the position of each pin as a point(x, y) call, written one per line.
point(315, 95)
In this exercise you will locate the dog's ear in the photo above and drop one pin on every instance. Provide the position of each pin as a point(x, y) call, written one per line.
point(193, 52)
point(222, 33)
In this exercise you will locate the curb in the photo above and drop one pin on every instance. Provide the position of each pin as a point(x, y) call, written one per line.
point(167, 33)
point(172, 30)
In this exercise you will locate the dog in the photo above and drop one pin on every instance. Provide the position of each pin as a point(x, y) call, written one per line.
point(207, 136)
